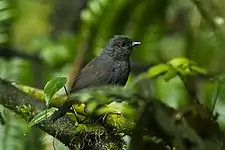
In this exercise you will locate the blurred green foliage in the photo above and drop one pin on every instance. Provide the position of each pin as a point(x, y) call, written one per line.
point(167, 29)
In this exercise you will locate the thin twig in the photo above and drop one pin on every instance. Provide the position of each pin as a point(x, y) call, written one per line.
point(78, 63)
point(74, 111)
point(212, 15)
point(10, 53)
point(67, 94)
point(209, 11)
point(189, 90)
point(53, 143)
point(218, 89)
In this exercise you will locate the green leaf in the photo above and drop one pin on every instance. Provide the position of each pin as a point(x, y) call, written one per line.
point(198, 69)
point(178, 62)
point(73, 118)
point(52, 87)
point(3, 5)
point(157, 70)
point(184, 71)
point(184, 66)
point(42, 116)
point(170, 74)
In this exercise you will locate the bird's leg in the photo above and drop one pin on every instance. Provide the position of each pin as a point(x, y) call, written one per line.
point(66, 107)
point(110, 113)
point(103, 118)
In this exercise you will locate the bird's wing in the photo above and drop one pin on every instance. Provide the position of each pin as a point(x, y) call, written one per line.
point(93, 74)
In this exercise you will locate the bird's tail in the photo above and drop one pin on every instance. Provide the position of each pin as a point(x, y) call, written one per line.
point(66, 107)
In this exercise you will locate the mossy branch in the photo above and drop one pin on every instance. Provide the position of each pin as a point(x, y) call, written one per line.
point(152, 117)
point(28, 102)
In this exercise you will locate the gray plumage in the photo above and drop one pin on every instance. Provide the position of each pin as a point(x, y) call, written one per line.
point(111, 67)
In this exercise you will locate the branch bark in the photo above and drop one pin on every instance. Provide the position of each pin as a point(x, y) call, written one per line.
point(82, 136)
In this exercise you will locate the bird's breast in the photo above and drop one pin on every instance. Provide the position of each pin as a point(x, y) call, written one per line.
point(121, 72)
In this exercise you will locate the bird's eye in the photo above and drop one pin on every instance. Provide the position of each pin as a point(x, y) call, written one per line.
point(123, 44)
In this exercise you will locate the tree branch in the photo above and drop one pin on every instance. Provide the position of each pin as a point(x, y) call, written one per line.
point(75, 137)
point(173, 127)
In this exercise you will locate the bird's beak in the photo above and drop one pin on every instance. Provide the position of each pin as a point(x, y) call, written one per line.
point(135, 43)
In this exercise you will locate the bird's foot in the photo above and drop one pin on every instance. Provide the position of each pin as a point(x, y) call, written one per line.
point(110, 113)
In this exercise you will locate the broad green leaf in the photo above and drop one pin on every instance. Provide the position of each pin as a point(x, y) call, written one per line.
point(52, 87)
point(157, 70)
point(42, 116)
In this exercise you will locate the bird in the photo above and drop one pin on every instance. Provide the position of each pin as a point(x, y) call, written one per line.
point(110, 67)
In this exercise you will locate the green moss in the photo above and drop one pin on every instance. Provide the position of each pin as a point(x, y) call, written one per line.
point(119, 124)
point(26, 111)
point(57, 100)
point(112, 146)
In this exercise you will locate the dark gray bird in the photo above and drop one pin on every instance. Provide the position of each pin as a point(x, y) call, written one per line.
point(111, 67)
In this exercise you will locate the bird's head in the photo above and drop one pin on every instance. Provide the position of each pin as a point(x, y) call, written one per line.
point(120, 47)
